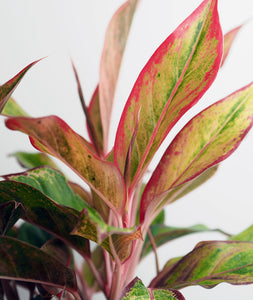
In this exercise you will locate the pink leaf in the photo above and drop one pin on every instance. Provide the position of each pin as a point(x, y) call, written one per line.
point(115, 42)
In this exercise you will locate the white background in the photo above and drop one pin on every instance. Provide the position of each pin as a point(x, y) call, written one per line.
point(60, 30)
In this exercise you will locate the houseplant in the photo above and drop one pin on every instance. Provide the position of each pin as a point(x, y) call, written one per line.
point(121, 213)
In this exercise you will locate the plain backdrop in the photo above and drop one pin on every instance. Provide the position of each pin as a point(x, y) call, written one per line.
point(60, 30)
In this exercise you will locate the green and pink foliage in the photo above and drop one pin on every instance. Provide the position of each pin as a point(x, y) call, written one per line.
point(116, 208)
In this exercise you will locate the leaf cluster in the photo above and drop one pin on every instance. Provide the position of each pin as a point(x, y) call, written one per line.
point(116, 209)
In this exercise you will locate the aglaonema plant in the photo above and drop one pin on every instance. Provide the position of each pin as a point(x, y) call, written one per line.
point(116, 209)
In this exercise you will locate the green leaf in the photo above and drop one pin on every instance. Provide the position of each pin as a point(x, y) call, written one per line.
point(34, 160)
point(43, 212)
point(209, 264)
point(160, 218)
point(21, 261)
point(246, 235)
point(81, 192)
point(159, 294)
point(53, 136)
point(33, 235)
point(51, 183)
point(8, 88)
point(114, 46)
point(12, 108)
point(137, 290)
point(10, 212)
point(173, 80)
point(163, 234)
point(206, 140)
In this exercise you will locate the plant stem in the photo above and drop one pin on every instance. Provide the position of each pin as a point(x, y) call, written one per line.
point(152, 241)
point(84, 286)
point(108, 272)
point(133, 262)
point(117, 274)
point(96, 274)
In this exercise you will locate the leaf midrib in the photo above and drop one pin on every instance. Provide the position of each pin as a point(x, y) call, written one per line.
point(141, 164)
point(174, 184)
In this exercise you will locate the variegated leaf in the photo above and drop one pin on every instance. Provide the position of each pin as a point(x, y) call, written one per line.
point(173, 80)
point(52, 184)
point(114, 46)
point(137, 290)
point(53, 136)
point(206, 140)
point(209, 264)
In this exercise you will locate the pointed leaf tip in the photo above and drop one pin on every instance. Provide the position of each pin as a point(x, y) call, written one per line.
point(229, 38)
point(8, 88)
point(114, 47)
